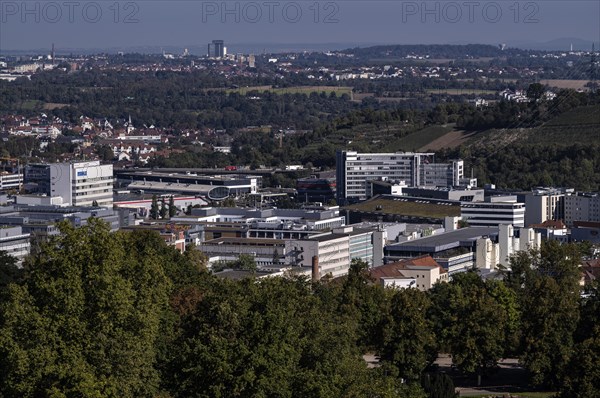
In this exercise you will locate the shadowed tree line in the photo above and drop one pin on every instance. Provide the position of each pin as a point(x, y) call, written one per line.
point(97, 314)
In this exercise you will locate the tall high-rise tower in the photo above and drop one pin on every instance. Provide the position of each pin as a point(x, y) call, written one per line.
point(218, 48)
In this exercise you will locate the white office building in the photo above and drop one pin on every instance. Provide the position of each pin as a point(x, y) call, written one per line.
point(15, 242)
point(490, 214)
point(490, 254)
point(327, 254)
point(354, 171)
point(10, 181)
point(82, 183)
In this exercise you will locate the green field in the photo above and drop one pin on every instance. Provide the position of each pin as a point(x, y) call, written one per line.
point(406, 208)
point(461, 91)
point(339, 91)
point(31, 104)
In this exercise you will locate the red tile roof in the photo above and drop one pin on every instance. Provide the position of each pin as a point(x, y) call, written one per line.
point(587, 224)
point(395, 269)
point(550, 224)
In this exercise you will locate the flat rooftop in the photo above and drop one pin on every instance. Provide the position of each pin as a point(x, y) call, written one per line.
point(241, 274)
point(444, 241)
point(184, 176)
point(325, 238)
point(405, 206)
point(245, 242)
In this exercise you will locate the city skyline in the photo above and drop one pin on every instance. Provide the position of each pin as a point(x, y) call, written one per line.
point(103, 25)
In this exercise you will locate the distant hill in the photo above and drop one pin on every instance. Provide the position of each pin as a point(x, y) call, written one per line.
point(562, 44)
point(432, 50)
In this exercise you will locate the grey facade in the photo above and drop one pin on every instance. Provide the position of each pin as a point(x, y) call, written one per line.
point(582, 207)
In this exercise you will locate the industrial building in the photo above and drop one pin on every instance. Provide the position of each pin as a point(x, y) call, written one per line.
point(468, 248)
point(210, 187)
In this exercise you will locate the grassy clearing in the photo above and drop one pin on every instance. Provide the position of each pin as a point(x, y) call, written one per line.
point(406, 208)
point(461, 91)
point(51, 105)
point(339, 91)
point(563, 83)
point(31, 104)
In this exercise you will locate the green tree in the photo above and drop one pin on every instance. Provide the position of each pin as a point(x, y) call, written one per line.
point(438, 385)
point(9, 272)
point(535, 91)
point(549, 320)
point(106, 153)
point(270, 337)
point(228, 202)
point(547, 285)
point(154, 208)
point(364, 304)
point(409, 342)
point(172, 208)
point(85, 320)
point(582, 375)
point(469, 323)
point(163, 212)
point(245, 262)
point(196, 258)
point(508, 300)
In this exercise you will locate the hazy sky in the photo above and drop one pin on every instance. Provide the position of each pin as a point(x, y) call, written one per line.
point(111, 24)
